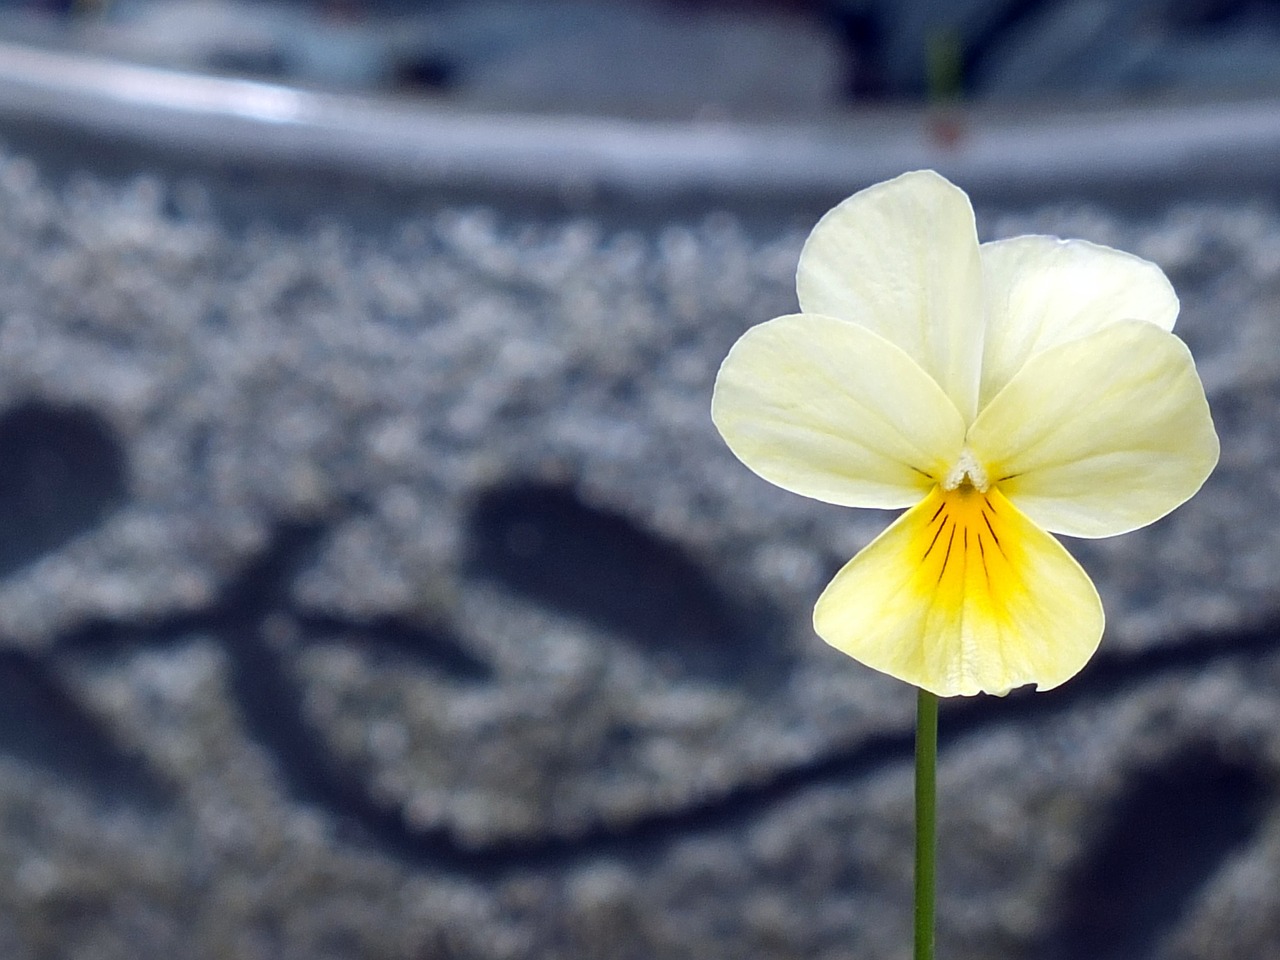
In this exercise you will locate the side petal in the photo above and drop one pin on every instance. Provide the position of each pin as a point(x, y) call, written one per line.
point(901, 259)
point(1101, 435)
point(964, 595)
point(1042, 291)
point(829, 410)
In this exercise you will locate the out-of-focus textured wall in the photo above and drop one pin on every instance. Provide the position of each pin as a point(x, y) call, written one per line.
point(375, 585)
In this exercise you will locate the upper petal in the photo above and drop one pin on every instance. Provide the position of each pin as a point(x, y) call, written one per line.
point(828, 409)
point(1042, 291)
point(1100, 435)
point(964, 595)
point(901, 259)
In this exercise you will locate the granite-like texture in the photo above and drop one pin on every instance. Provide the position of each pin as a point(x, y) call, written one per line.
point(378, 587)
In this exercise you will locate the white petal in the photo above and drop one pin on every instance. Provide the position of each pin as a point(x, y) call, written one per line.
point(828, 409)
point(901, 259)
point(1100, 435)
point(1042, 291)
point(964, 595)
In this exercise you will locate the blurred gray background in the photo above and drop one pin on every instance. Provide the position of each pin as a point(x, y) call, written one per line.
point(373, 583)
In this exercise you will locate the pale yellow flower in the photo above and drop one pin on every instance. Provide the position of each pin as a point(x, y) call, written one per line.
point(1000, 391)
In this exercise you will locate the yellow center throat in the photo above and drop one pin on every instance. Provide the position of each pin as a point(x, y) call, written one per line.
point(968, 549)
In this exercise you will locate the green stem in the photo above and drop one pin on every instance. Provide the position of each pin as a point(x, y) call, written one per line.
point(926, 819)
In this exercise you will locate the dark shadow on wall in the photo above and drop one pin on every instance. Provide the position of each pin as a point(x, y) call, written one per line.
point(1164, 839)
point(64, 471)
point(543, 542)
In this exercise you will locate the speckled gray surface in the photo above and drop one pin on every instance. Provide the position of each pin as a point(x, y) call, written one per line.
point(377, 586)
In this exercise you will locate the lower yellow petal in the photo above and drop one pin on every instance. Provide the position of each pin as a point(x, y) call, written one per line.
point(964, 595)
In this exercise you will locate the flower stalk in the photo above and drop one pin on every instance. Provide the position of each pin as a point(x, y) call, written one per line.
point(926, 821)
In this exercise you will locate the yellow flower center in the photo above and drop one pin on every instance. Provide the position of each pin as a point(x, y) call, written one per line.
point(969, 550)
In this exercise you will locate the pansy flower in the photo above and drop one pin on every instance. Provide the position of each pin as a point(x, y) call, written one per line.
point(1003, 392)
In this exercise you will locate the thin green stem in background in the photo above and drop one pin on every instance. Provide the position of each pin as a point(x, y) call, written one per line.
point(926, 819)
point(944, 65)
